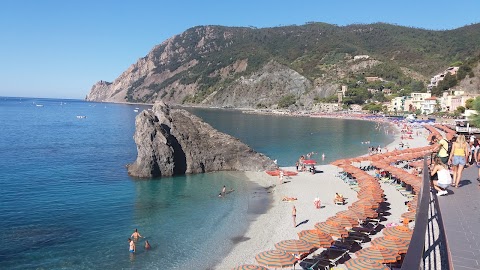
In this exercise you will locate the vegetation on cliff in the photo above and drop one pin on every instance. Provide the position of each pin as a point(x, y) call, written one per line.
point(195, 66)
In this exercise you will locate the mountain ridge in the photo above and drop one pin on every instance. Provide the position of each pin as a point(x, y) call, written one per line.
point(257, 67)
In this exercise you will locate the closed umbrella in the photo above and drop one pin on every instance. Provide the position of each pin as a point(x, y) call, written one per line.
point(393, 243)
point(275, 258)
point(294, 246)
point(316, 238)
point(378, 254)
point(364, 264)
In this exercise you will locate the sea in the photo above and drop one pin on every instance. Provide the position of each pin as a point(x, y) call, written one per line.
point(67, 202)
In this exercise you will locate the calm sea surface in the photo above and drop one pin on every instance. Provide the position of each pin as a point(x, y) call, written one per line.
point(67, 202)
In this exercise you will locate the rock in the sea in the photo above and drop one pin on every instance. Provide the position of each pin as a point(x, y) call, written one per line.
point(175, 142)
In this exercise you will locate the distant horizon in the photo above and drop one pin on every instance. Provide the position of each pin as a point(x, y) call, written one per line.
point(58, 49)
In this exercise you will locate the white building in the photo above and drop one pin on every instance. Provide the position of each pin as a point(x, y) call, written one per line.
point(428, 105)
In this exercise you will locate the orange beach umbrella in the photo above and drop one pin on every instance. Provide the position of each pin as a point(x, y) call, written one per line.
point(316, 238)
point(294, 246)
point(275, 258)
point(331, 228)
point(378, 254)
point(364, 264)
point(401, 232)
point(250, 267)
point(393, 243)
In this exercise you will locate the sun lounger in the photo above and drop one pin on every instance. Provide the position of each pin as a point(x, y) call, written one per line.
point(335, 254)
point(314, 264)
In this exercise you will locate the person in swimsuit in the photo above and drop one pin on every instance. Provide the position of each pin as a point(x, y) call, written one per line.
point(132, 246)
point(147, 245)
point(224, 190)
point(294, 216)
point(136, 235)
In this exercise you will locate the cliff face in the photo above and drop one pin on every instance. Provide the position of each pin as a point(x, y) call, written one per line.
point(249, 67)
point(175, 142)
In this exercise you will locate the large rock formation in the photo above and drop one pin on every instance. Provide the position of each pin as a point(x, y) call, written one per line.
point(174, 142)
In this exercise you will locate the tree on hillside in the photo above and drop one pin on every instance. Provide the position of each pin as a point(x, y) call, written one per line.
point(460, 109)
point(469, 103)
point(475, 119)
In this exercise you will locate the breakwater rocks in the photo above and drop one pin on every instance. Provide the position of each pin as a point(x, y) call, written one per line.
point(175, 142)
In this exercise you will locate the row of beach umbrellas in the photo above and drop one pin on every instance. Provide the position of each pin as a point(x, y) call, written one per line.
point(385, 249)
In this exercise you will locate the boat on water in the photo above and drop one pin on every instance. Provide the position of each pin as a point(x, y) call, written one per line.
point(135, 110)
point(39, 105)
point(81, 116)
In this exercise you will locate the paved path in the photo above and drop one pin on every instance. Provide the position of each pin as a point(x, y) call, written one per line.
point(461, 216)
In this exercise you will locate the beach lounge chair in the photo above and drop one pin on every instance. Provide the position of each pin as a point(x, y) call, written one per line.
point(316, 263)
point(335, 254)
point(368, 228)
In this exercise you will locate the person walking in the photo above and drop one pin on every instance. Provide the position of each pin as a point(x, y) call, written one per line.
point(294, 216)
point(458, 158)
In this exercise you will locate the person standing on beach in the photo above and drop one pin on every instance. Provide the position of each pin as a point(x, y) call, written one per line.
point(458, 158)
point(135, 235)
point(294, 216)
point(131, 248)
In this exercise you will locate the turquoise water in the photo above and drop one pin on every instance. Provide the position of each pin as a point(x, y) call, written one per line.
point(67, 202)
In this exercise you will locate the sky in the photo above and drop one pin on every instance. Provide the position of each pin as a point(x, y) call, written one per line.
point(59, 49)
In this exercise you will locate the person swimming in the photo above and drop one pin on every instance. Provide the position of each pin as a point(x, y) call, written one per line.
point(147, 245)
point(136, 235)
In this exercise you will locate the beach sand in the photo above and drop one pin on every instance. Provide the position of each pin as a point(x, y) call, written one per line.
point(277, 224)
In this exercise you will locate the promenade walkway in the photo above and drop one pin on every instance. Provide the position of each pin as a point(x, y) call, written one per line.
point(461, 217)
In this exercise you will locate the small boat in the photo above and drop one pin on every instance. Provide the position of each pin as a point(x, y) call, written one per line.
point(277, 173)
point(81, 116)
point(39, 105)
point(135, 110)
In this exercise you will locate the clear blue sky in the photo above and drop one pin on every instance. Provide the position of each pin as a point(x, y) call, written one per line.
point(61, 48)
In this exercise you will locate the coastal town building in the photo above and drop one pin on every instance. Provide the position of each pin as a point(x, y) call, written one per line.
point(429, 105)
point(448, 102)
point(439, 77)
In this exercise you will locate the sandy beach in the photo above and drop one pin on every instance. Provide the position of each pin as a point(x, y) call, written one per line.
point(277, 223)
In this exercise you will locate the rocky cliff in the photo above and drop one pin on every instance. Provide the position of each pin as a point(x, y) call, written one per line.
point(256, 68)
point(175, 142)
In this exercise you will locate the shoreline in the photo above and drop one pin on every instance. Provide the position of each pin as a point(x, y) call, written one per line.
point(277, 224)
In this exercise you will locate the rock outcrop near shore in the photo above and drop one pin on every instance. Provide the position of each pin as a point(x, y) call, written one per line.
point(175, 142)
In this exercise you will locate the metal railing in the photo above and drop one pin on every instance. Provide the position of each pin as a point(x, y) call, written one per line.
point(414, 259)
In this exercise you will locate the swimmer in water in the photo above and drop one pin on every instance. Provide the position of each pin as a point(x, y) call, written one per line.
point(147, 245)
point(131, 248)
point(136, 235)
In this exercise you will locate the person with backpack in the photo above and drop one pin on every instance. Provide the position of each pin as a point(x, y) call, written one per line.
point(445, 147)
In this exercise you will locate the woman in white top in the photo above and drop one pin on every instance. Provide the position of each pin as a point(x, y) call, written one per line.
point(444, 177)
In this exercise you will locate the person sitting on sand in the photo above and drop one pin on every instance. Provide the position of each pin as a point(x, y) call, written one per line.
point(136, 235)
point(289, 199)
point(339, 199)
